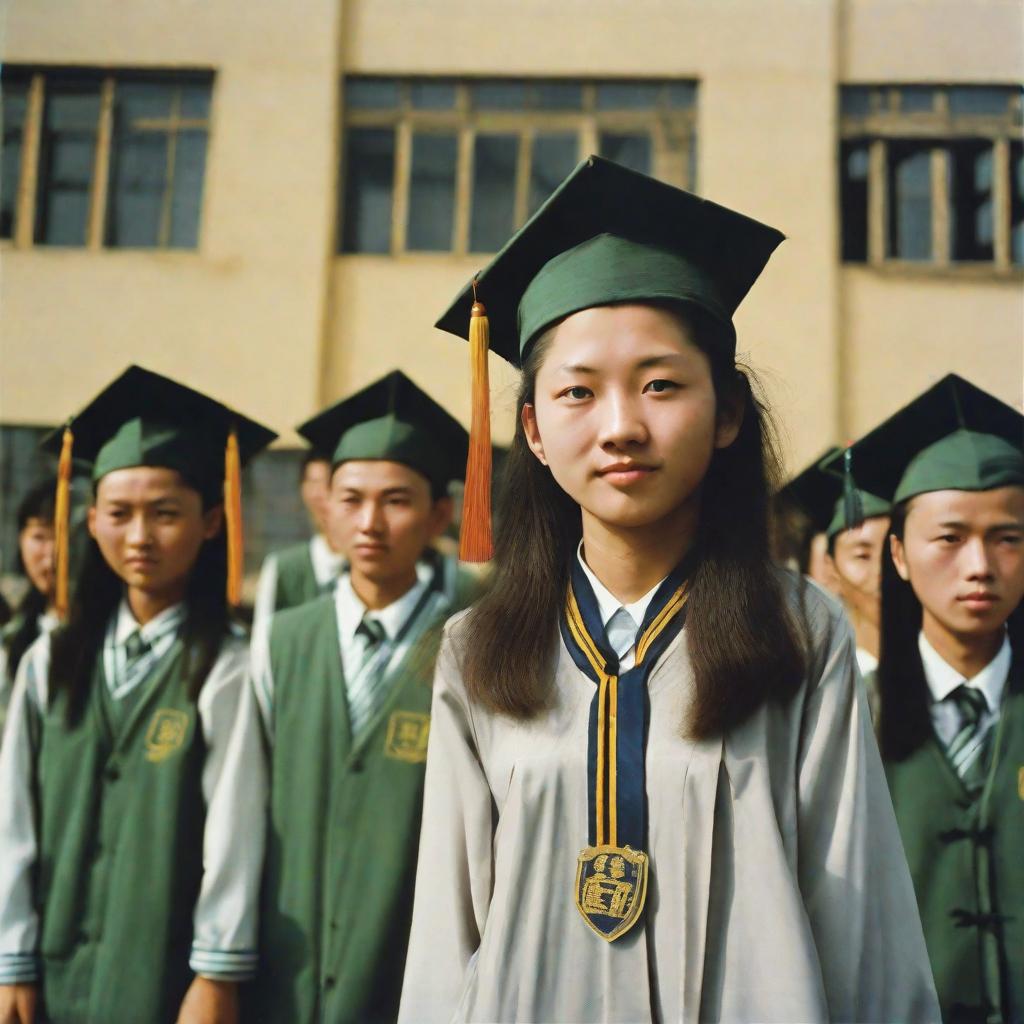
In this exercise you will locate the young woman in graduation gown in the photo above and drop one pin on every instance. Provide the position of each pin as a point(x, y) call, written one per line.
point(652, 790)
point(951, 683)
point(131, 827)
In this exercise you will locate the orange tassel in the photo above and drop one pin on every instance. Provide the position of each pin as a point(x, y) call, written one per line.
point(62, 524)
point(233, 519)
point(476, 542)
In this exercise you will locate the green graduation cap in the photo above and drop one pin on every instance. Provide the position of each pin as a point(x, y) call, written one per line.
point(608, 234)
point(394, 420)
point(819, 492)
point(145, 419)
point(954, 437)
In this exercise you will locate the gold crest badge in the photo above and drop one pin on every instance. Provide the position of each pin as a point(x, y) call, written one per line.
point(166, 734)
point(1020, 782)
point(406, 740)
point(611, 888)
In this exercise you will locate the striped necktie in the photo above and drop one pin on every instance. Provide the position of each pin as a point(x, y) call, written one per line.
point(365, 690)
point(967, 751)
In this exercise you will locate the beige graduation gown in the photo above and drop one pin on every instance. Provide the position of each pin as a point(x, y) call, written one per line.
point(779, 890)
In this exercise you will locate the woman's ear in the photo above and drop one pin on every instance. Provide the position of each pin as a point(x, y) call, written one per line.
point(729, 415)
point(899, 557)
point(530, 428)
point(91, 521)
point(213, 520)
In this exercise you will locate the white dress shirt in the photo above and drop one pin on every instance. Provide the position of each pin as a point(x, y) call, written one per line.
point(943, 679)
point(621, 621)
point(234, 786)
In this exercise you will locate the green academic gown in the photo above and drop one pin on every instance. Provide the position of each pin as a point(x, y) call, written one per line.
point(966, 857)
point(296, 579)
point(344, 826)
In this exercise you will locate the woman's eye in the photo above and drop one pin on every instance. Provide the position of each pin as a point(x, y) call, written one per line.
point(660, 386)
point(577, 393)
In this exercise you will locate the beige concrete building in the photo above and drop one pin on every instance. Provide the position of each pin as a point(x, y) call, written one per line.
point(338, 161)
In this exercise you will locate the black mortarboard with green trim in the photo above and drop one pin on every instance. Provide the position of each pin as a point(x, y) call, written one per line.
point(953, 437)
point(394, 420)
point(145, 419)
point(819, 493)
point(609, 234)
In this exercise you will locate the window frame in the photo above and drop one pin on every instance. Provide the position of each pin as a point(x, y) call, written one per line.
point(96, 230)
point(672, 163)
point(885, 124)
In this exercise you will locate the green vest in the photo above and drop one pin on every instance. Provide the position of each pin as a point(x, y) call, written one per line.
point(121, 815)
point(967, 861)
point(296, 580)
point(344, 829)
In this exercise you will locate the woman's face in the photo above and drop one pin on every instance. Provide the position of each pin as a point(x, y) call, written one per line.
point(625, 415)
point(149, 526)
point(35, 542)
point(963, 553)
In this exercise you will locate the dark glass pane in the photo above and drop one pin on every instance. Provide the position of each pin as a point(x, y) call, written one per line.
point(910, 201)
point(970, 195)
point(628, 95)
point(558, 95)
point(14, 100)
point(371, 93)
point(681, 95)
point(494, 191)
point(554, 156)
point(66, 155)
point(499, 95)
point(632, 150)
point(138, 181)
point(853, 199)
point(433, 95)
point(367, 186)
point(195, 100)
point(432, 193)
point(1017, 202)
point(979, 100)
point(137, 100)
point(187, 190)
point(855, 100)
point(917, 99)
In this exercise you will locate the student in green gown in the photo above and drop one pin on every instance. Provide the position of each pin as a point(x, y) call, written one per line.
point(343, 683)
point(131, 825)
point(302, 572)
point(951, 682)
point(652, 791)
point(35, 612)
point(853, 555)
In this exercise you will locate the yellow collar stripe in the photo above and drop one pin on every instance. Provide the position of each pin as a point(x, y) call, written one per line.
point(602, 704)
point(613, 761)
point(582, 637)
point(675, 602)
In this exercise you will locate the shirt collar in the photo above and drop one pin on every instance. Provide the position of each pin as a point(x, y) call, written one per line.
point(169, 619)
point(943, 679)
point(351, 609)
point(327, 564)
point(608, 604)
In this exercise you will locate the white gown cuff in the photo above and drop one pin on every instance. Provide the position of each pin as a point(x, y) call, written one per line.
point(19, 968)
point(223, 965)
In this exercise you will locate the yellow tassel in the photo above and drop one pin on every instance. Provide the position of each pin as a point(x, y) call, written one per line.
point(233, 519)
point(476, 544)
point(62, 524)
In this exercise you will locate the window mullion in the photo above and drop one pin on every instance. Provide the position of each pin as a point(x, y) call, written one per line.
point(463, 189)
point(101, 167)
point(1001, 201)
point(878, 201)
point(403, 174)
point(28, 179)
point(941, 213)
point(164, 233)
point(523, 177)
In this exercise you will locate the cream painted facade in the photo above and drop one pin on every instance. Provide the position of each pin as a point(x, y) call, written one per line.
point(267, 317)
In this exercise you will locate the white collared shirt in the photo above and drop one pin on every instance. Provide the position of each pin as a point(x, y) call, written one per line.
point(943, 679)
point(621, 621)
point(327, 563)
point(159, 634)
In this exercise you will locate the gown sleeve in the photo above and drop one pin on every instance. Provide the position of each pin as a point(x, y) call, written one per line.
point(455, 870)
point(853, 873)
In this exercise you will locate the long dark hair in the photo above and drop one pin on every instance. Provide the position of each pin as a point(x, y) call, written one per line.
point(905, 719)
point(38, 503)
point(77, 645)
point(744, 645)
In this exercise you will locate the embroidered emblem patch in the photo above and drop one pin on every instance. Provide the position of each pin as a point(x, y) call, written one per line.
point(611, 887)
point(166, 734)
point(407, 736)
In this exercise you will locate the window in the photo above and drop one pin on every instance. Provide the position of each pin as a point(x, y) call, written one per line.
point(444, 165)
point(932, 175)
point(94, 159)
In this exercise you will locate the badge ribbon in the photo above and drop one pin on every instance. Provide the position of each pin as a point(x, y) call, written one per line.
point(611, 879)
